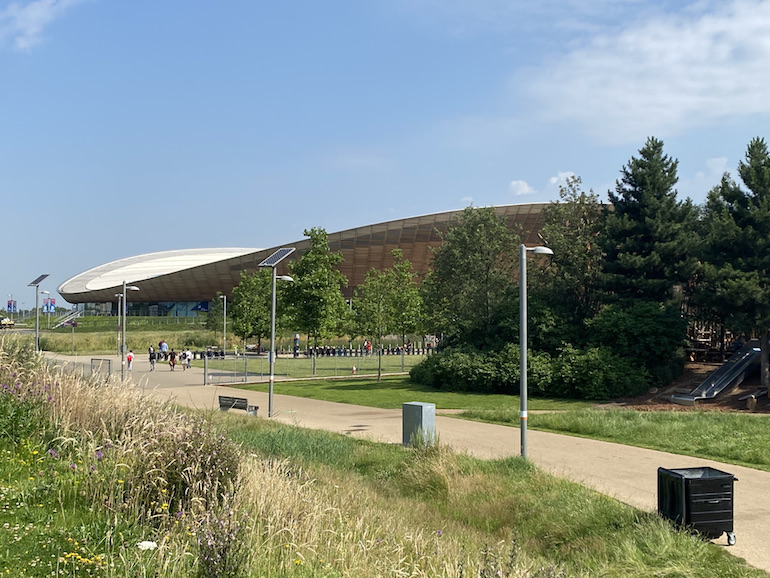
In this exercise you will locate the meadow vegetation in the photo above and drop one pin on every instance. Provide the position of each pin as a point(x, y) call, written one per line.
point(98, 481)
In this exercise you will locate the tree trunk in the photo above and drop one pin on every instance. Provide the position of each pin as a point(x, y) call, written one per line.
point(765, 357)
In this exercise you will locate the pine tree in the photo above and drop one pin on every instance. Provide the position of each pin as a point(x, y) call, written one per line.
point(736, 250)
point(647, 238)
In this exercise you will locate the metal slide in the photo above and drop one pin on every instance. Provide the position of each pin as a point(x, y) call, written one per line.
point(732, 373)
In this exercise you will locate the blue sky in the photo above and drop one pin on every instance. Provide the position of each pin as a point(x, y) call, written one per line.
point(133, 127)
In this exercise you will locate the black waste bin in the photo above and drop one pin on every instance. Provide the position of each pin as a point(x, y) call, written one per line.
point(701, 498)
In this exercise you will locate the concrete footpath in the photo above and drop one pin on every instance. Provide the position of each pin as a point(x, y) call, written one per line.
point(626, 473)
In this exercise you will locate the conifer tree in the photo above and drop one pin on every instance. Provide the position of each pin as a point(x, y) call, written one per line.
point(736, 250)
point(648, 233)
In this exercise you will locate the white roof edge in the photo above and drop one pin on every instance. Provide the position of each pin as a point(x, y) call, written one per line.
point(146, 266)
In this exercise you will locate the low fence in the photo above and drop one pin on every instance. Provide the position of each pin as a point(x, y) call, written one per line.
point(95, 367)
point(253, 368)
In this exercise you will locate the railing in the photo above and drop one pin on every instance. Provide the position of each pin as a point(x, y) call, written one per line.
point(250, 368)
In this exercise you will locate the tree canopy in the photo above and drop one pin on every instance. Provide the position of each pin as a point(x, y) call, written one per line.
point(251, 306)
point(314, 301)
point(468, 292)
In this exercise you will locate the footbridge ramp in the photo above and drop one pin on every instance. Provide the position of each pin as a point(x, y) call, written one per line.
point(732, 373)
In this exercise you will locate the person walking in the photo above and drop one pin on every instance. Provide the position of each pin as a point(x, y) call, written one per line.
point(130, 359)
point(188, 358)
point(151, 352)
point(172, 359)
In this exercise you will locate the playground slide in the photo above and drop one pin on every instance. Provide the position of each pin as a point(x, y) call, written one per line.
point(732, 372)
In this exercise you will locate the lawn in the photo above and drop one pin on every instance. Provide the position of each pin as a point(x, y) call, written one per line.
point(395, 390)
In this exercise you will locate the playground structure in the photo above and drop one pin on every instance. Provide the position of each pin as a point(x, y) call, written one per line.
point(729, 375)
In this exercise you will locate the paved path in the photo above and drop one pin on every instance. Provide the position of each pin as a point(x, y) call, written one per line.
point(626, 473)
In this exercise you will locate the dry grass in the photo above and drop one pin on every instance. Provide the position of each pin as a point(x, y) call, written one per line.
point(350, 530)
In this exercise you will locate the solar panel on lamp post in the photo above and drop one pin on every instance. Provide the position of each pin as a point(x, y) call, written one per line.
point(523, 249)
point(36, 285)
point(123, 340)
point(272, 261)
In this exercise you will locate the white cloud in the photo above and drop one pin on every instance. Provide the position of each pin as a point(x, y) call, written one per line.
point(521, 188)
point(468, 17)
point(561, 178)
point(467, 200)
point(704, 180)
point(664, 75)
point(24, 23)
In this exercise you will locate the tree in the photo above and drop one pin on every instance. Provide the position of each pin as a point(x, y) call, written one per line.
point(468, 292)
point(251, 307)
point(387, 302)
point(314, 301)
point(648, 234)
point(736, 250)
point(214, 318)
point(407, 301)
point(566, 291)
point(373, 302)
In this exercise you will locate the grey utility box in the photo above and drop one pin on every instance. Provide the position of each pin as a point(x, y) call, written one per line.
point(419, 420)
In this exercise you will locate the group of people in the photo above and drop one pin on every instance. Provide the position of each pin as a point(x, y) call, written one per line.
point(184, 357)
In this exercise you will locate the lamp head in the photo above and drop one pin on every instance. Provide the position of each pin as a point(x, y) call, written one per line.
point(285, 278)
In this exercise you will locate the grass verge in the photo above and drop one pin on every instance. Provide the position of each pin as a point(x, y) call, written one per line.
point(735, 438)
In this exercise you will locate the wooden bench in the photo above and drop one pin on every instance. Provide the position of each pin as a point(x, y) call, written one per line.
point(226, 403)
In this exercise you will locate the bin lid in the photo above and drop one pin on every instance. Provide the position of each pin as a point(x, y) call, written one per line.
point(703, 472)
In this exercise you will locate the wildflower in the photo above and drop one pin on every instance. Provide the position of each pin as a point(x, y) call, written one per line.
point(147, 545)
point(99, 456)
point(439, 533)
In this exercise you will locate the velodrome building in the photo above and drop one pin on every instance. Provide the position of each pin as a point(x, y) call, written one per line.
point(183, 282)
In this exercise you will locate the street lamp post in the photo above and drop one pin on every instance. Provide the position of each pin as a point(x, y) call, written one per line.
point(224, 324)
point(272, 262)
point(36, 285)
point(523, 335)
point(123, 340)
point(120, 313)
point(48, 298)
point(272, 343)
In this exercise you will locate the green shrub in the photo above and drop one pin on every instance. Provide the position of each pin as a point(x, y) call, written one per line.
point(647, 333)
point(591, 373)
point(467, 369)
point(597, 373)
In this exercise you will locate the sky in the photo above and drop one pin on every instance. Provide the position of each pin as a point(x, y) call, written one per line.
point(134, 127)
